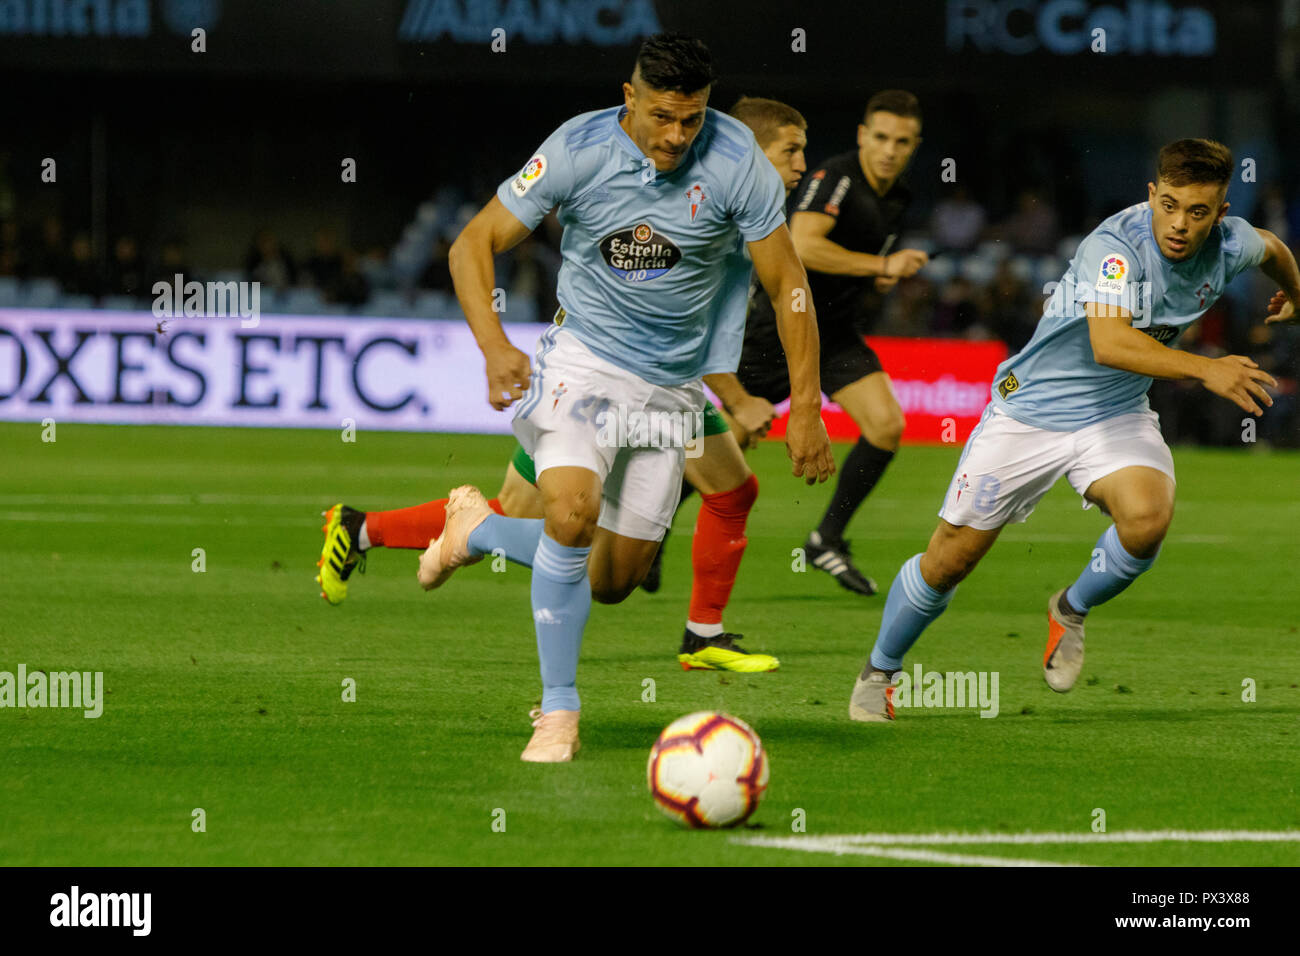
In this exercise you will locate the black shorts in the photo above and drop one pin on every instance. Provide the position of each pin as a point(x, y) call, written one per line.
point(845, 358)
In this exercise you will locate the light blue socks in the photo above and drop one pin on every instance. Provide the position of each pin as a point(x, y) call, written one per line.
point(561, 604)
point(911, 606)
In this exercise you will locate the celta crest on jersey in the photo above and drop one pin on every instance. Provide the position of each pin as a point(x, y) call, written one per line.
point(695, 195)
point(639, 253)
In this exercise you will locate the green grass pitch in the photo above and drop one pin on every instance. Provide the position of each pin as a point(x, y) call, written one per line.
point(225, 687)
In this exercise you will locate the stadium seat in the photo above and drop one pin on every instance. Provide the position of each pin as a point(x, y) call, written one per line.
point(1022, 267)
point(977, 268)
point(1048, 269)
point(301, 301)
point(1068, 247)
point(916, 241)
point(120, 303)
point(522, 309)
point(939, 270)
point(430, 305)
point(993, 250)
point(427, 214)
point(377, 272)
point(387, 303)
point(268, 300)
point(39, 294)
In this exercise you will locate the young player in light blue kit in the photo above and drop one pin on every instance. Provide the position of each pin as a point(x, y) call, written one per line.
point(1073, 402)
point(656, 198)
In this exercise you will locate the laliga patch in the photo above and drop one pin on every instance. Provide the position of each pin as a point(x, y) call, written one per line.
point(529, 175)
point(640, 253)
point(1112, 275)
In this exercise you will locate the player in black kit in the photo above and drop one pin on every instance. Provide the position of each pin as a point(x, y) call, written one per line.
point(846, 222)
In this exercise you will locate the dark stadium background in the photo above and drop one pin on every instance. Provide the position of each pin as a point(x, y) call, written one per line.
point(186, 156)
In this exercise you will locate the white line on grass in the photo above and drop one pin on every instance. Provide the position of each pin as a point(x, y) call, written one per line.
point(815, 845)
point(874, 844)
point(1119, 836)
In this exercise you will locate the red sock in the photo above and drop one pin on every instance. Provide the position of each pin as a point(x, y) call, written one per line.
point(411, 527)
point(717, 548)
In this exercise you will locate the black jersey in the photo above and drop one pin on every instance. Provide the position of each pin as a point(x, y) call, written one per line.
point(864, 222)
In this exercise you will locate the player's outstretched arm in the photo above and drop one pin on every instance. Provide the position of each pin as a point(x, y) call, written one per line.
point(494, 230)
point(1116, 344)
point(751, 412)
point(810, 232)
point(785, 282)
point(1280, 266)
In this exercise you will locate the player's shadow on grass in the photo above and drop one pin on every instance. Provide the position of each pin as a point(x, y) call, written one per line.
point(640, 733)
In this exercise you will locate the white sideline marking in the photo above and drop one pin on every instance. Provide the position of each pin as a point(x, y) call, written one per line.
point(922, 856)
point(875, 844)
point(1119, 836)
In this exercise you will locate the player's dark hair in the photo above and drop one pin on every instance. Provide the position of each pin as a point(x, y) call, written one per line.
point(898, 102)
point(676, 62)
point(1186, 162)
point(765, 117)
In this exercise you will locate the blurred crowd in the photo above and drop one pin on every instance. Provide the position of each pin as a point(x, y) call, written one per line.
point(987, 279)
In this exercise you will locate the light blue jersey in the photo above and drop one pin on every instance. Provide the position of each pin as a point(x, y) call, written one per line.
point(1054, 382)
point(653, 277)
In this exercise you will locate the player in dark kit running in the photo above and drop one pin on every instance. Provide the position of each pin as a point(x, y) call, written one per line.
point(846, 222)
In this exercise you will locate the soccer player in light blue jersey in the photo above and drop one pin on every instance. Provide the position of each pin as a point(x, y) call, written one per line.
point(656, 199)
point(1073, 402)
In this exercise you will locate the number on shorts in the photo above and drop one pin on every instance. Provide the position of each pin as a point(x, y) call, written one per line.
point(986, 494)
point(582, 410)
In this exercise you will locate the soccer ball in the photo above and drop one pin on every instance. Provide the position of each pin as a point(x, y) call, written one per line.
point(707, 770)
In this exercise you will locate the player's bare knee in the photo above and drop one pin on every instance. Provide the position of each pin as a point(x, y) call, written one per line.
point(885, 432)
point(943, 569)
point(612, 592)
point(1142, 532)
point(571, 515)
point(952, 555)
point(891, 435)
point(571, 523)
point(612, 584)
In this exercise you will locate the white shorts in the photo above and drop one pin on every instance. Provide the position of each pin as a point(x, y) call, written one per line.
point(1008, 466)
point(580, 410)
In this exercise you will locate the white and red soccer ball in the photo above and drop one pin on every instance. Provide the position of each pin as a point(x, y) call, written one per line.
point(707, 770)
